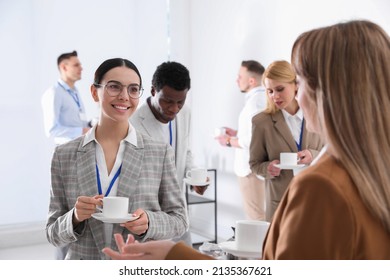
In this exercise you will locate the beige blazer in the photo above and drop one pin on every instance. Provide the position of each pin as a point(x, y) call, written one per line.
point(270, 137)
point(148, 178)
point(322, 216)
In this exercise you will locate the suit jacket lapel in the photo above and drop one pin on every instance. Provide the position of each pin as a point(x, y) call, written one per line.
point(87, 182)
point(86, 169)
point(148, 121)
point(281, 126)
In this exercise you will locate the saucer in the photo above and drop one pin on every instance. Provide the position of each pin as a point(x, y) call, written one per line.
point(285, 166)
point(190, 182)
point(231, 248)
point(128, 218)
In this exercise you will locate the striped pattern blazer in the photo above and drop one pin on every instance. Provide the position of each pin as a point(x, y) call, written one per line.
point(148, 178)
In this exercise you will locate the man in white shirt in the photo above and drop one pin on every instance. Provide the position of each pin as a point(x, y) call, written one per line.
point(251, 186)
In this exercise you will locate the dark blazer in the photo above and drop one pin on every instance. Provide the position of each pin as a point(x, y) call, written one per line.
point(270, 137)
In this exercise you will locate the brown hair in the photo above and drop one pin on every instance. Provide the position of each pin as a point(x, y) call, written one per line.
point(347, 69)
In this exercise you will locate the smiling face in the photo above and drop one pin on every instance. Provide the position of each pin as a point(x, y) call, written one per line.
point(282, 94)
point(121, 107)
point(167, 103)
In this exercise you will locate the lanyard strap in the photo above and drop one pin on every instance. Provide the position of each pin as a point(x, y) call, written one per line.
point(112, 181)
point(170, 133)
point(299, 145)
point(73, 94)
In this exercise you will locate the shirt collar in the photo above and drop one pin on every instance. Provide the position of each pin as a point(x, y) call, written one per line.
point(298, 114)
point(130, 138)
point(254, 91)
point(65, 85)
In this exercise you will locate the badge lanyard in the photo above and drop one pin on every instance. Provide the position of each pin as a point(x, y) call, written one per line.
point(299, 145)
point(112, 181)
point(74, 96)
point(170, 133)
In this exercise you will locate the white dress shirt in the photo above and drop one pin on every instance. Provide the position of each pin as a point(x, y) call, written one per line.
point(255, 102)
point(294, 123)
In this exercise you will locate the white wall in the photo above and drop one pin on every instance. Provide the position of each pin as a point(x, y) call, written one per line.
point(211, 37)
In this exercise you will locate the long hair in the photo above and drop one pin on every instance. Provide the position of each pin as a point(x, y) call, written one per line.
point(347, 68)
point(281, 71)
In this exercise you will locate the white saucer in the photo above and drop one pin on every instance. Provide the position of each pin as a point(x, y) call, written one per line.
point(231, 248)
point(284, 166)
point(100, 217)
point(189, 182)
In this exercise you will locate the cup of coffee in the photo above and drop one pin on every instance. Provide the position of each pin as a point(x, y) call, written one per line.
point(250, 234)
point(219, 131)
point(197, 175)
point(115, 206)
point(288, 158)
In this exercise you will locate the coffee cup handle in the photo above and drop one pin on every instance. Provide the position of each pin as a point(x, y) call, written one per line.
point(188, 174)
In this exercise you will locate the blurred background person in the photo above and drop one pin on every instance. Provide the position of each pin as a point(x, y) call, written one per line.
point(249, 81)
point(280, 128)
point(63, 109)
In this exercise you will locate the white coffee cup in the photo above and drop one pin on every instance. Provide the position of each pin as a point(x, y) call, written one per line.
point(197, 175)
point(115, 206)
point(219, 131)
point(288, 158)
point(250, 234)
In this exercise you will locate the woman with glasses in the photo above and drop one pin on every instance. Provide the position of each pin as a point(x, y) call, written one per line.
point(112, 159)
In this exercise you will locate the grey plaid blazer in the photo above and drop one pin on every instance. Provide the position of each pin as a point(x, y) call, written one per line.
point(148, 178)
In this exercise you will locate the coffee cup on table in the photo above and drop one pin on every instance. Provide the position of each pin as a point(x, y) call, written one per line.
point(250, 235)
point(288, 158)
point(115, 206)
point(197, 175)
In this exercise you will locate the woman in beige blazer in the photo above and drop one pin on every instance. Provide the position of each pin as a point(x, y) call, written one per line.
point(279, 128)
point(338, 208)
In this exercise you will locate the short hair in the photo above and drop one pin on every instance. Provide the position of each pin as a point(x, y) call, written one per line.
point(253, 66)
point(110, 64)
point(64, 56)
point(172, 74)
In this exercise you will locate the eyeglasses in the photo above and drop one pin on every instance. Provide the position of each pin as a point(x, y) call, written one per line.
point(115, 88)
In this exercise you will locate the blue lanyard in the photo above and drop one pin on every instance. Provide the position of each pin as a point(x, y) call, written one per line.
point(170, 133)
point(112, 181)
point(73, 94)
point(299, 145)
